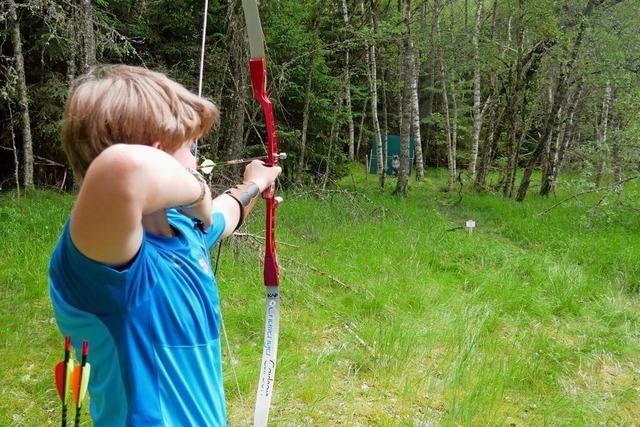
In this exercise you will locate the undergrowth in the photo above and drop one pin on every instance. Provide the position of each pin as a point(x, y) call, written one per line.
point(388, 318)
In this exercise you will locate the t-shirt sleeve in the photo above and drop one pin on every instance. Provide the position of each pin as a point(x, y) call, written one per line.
point(90, 285)
point(214, 233)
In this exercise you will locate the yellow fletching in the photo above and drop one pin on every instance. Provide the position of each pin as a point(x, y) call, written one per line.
point(207, 166)
point(68, 379)
point(84, 382)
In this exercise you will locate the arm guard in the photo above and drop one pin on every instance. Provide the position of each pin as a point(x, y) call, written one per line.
point(246, 195)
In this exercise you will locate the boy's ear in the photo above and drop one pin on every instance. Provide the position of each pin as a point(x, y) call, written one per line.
point(158, 145)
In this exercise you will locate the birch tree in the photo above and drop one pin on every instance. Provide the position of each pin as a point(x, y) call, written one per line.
point(451, 141)
point(23, 97)
point(373, 83)
point(407, 100)
point(477, 78)
point(347, 81)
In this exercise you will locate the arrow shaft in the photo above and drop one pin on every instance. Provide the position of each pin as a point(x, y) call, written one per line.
point(280, 156)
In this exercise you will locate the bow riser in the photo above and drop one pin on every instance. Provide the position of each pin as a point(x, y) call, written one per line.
point(258, 72)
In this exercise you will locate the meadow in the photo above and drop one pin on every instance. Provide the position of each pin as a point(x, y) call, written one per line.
point(392, 314)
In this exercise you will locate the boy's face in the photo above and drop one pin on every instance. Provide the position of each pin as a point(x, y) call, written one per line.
point(186, 155)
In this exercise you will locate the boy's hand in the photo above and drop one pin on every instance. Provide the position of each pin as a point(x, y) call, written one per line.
point(261, 174)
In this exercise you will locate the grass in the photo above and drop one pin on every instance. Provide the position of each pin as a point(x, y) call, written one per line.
point(388, 318)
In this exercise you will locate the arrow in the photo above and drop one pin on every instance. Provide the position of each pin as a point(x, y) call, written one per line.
point(207, 165)
point(80, 381)
point(63, 370)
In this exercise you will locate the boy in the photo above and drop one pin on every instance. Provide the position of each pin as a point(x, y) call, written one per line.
point(131, 272)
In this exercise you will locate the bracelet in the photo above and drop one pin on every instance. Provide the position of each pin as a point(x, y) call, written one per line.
point(203, 189)
point(245, 194)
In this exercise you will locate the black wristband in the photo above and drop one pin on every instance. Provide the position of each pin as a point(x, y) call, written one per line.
point(244, 195)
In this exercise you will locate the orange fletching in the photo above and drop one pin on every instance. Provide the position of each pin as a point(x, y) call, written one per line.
point(75, 383)
point(59, 371)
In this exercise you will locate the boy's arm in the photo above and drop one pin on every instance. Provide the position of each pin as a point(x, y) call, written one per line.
point(256, 172)
point(122, 184)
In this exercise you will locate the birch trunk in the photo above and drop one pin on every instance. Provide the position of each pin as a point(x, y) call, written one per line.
point(16, 161)
point(415, 125)
point(347, 78)
point(373, 81)
point(385, 117)
point(23, 99)
point(451, 148)
point(432, 82)
point(567, 135)
point(407, 100)
point(477, 109)
point(454, 126)
point(602, 140)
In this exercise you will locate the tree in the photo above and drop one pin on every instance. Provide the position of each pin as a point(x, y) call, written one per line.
point(478, 110)
point(23, 97)
point(407, 101)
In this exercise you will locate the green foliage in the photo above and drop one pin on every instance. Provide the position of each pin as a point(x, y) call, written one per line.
point(309, 40)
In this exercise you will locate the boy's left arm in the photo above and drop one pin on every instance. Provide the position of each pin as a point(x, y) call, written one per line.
point(231, 207)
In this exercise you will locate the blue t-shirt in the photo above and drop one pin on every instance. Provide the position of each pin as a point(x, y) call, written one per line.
point(153, 327)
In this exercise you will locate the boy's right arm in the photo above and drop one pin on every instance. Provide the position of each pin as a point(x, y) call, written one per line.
point(121, 185)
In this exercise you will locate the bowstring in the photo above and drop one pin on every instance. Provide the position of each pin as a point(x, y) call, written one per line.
point(202, 47)
point(215, 273)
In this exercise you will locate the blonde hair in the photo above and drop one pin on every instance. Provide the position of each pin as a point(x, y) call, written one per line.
point(114, 104)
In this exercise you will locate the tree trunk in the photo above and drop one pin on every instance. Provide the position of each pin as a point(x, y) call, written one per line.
point(385, 117)
point(557, 147)
point(347, 78)
point(373, 81)
point(454, 125)
point(415, 103)
point(332, 137)
point(432, 81)
point(361, 128)
point(486, 152)
point(16, 161)
point(415, 117)
point(451, 148)
point(72, 47)
point(23, 98)
point(477, 109)
point(549, 169)
point(407, 100)
point(305, 124)
point(239, 69)
point(517, 135)
point(560, 93)
point(617, 155)
point(602, 135)
point(88, 36)
point(567, 135)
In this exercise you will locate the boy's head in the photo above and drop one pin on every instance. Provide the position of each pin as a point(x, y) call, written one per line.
point(114, 104)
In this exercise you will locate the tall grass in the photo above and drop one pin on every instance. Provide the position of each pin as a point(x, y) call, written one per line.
point(387, 317)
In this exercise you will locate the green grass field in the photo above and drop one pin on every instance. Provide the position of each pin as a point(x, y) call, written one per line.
point(387, 317)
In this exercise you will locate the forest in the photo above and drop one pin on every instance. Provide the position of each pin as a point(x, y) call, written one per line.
point(511, 87)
